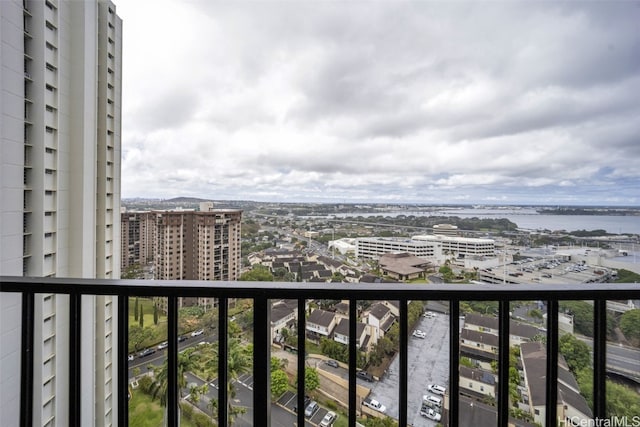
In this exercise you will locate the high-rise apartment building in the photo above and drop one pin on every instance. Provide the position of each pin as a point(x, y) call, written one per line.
point(60, 108)
point(184, 244)
point(137, 238)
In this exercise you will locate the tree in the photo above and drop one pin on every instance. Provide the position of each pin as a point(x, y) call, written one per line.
point(311, 379)
point(135, 310)
point(155, 314)
point(239, 361)
point(630, 324)
point(134, 271)
point(582, 315)
point(259, 273)
point(575, 352)
point(465, 361)
point(138, 335)
point(141, 317)
point(279, 383)
point(186, 363)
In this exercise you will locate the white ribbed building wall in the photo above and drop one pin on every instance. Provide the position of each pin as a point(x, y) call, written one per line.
point(60, 201)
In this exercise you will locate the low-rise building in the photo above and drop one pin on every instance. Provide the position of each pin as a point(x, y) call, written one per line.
point(477, 383)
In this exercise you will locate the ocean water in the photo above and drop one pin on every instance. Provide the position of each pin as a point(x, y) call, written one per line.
point(532, 220)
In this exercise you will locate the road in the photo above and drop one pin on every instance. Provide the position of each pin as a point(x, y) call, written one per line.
point(157, 358)
point(620, 359)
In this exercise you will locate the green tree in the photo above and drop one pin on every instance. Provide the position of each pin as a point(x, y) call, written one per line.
point(135, 310)
point(138, 335)
point(465, 361)
point(279, 383)
point(630, 324)
point(239, 361)
point(155, 314)
point(141, 317)
point(575, 352)
point(535, 313)
point(186, 363)
point(134, 271)
point(311, 379)
point(582, 315)
point(259, 273)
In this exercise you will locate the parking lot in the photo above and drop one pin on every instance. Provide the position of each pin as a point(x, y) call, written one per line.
point(428, 363)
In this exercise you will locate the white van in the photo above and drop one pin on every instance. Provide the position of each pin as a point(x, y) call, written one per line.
point(436, 389)
point(433, 400)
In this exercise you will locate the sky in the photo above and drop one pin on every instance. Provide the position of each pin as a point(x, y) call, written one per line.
point(484, 102)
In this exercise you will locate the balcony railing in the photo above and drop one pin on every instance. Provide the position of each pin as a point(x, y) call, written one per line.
point(262, 292)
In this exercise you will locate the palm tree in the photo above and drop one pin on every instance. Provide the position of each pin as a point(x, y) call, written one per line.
point(239, 361)
point(186, 362)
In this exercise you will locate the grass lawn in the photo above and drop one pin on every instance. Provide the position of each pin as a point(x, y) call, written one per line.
point(144, 412)
point(147, 309)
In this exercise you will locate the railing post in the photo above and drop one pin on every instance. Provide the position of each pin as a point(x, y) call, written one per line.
point(404, 346)
point(26, 361)
point(123, 362)
point(173, 394)
point(353, 361)
point(302, 350)
point(261, 360)
point(503, 364)
point(552, 364)
point(454, 362)
point(223, 365)
point(75, 358)
point(599, 358)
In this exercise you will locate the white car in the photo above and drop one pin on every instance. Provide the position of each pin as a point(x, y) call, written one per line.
point(419, 334)
point(130, 357)
point(328, 419)
point(197, 333)
point(436, 389)
point(163, 345)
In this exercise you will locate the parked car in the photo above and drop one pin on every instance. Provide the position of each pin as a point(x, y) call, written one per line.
point(419, 334)
point(328, 419)
point(333, 363)
point(431, 414)
point(433, 400)
point(182, 338)
point(374, 404)
point(307, 399)
point(311, 409)
point(130, 357)
point(197, 333)
point(163, 345)
point(147, 352)
point(365, 376)
point(436, 389)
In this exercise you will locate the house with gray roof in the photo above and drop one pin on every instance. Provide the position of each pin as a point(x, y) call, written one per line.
point(518, 332)
point(572, 406)
point(284, 315)
point(477, 383)
point(381, 318)
point(320, 324)
point(364, 341)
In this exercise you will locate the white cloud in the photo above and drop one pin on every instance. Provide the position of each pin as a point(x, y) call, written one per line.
point(418, 101)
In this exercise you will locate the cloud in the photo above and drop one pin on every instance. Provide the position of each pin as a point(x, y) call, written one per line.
point(515, 102)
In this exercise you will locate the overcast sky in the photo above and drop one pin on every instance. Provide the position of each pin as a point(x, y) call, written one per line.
point(489, 102)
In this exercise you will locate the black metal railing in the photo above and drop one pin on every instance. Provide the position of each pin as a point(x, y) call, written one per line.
point(262, 292)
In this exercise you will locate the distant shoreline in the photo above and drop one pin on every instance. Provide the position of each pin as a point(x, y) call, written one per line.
point(586, 211)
